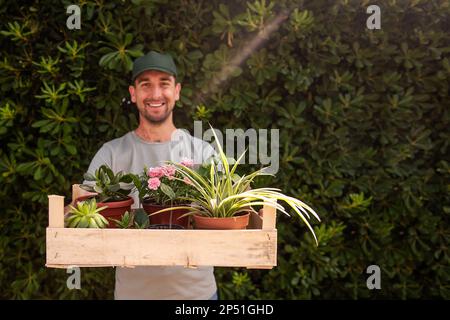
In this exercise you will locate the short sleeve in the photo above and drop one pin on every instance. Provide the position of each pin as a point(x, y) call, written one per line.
point(103, 156)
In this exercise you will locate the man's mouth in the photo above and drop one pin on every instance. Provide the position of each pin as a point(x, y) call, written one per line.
point(154, 104)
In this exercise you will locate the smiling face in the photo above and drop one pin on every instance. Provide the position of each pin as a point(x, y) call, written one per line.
point(155, 93)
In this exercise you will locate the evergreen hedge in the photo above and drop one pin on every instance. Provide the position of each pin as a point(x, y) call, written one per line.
point(363, 118)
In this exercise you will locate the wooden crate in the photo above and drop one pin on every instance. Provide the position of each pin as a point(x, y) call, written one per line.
point(254, 248)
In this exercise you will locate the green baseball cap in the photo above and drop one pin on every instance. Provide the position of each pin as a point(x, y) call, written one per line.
point(154, 61)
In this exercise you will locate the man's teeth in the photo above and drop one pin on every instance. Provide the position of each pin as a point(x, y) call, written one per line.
point(155, 104)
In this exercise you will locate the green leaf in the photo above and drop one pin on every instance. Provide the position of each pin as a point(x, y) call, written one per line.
point(141, 218)
point(40, 123)
point(88, 177)
point(37, 174)
point(107, 58)
point(168, 191)
point(71, 149)
point(114, 187)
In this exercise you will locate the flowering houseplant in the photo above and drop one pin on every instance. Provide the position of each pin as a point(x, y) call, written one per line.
point(221, 193)
point(162, 187)
point(165, 186)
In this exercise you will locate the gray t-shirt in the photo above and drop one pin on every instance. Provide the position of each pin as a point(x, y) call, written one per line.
point(130, 153)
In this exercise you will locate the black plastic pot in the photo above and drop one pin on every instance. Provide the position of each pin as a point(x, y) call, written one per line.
point(165, 226)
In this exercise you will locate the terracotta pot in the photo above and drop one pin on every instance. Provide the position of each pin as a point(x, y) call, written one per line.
point(115, 210)
point(164, 217)
point(239, 221)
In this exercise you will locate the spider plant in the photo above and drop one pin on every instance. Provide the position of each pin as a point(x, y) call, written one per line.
point(223, 193)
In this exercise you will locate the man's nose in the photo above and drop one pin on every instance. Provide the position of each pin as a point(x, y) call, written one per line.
point(155, 93)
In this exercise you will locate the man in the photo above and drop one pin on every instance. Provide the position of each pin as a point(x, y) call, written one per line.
point(154, 90)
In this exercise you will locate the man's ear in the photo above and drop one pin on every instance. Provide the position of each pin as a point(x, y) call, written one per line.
point(132, 91)
point(177, 91)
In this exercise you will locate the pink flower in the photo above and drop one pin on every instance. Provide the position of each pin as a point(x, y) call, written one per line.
point(155, 172)
point(154, 183)
point(187, 181)
point(187, 163)
point(169, 171)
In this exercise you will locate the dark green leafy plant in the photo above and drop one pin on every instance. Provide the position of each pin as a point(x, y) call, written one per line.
point(110, 186)
point(118, 56)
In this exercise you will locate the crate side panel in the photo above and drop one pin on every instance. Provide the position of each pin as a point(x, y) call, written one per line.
point(116, 247)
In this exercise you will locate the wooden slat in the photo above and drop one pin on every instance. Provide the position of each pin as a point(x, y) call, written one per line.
point(78, 192)
point(65, 266)
point(269, 216)
point(55, 211)
point(129, 247)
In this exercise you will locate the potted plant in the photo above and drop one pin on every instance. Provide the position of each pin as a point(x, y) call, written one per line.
point(86, 214)
point(125, 222)
point(162, 188)
point(112, 191)
point(138, 219)
point(225, 197)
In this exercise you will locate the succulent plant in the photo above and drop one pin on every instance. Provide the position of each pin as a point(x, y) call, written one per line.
point(125, 222)
point(86, 215)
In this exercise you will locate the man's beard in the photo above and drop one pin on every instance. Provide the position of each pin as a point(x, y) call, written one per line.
point(156, 119)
